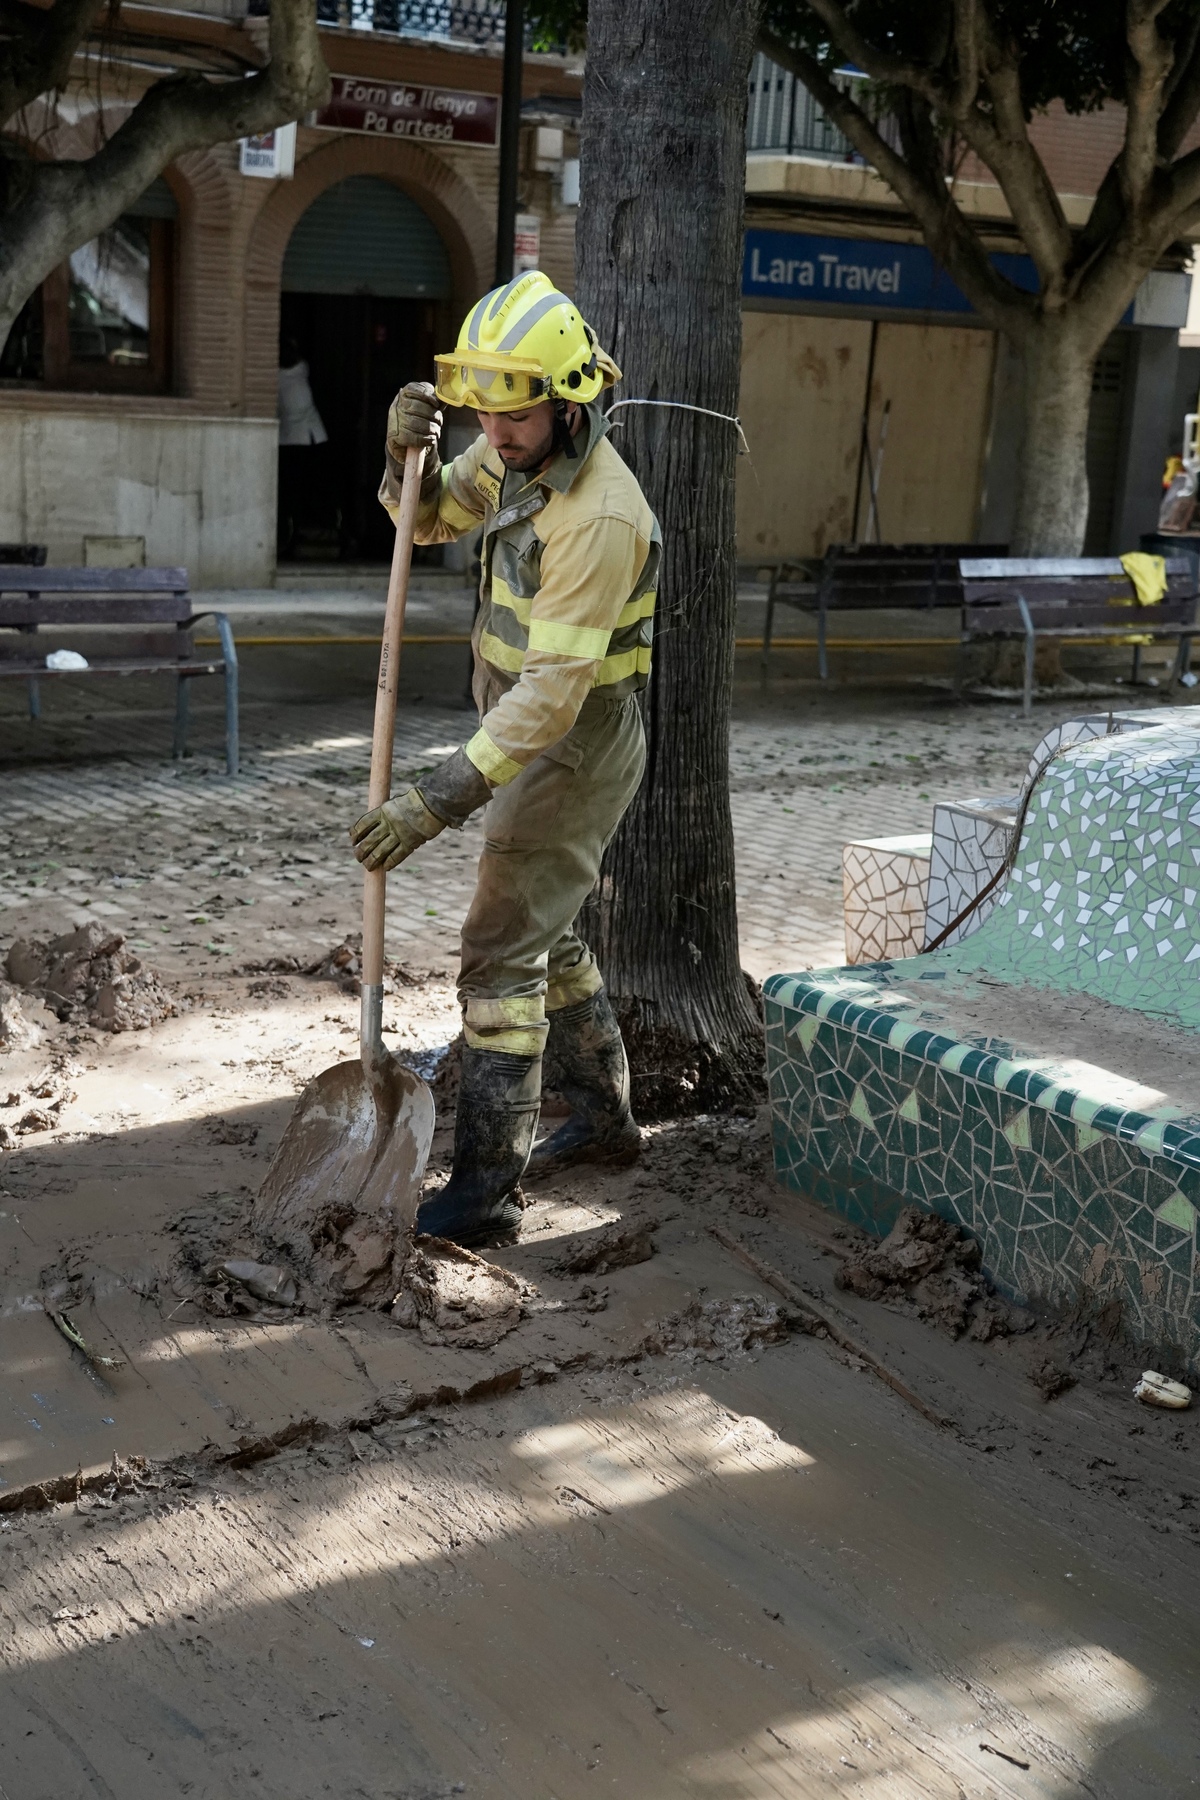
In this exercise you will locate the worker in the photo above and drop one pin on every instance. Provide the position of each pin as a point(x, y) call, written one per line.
point(569, 562)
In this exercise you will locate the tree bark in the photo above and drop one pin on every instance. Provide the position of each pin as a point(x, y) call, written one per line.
point(659, 258)
point(1052, 497)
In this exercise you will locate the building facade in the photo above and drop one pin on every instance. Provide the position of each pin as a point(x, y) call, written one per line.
point(139, 391)
point(875, 404)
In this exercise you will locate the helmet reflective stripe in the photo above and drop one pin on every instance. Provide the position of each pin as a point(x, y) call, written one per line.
point(499, 295)
point(528, 320)
point(473, 324)
point(534, 336)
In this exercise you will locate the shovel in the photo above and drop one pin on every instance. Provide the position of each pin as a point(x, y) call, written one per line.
point(346, 1176)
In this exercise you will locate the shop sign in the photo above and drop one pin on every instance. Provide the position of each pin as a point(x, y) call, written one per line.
point(868, 272)
point(527, 242)
point(404, 110)
point(271, 155)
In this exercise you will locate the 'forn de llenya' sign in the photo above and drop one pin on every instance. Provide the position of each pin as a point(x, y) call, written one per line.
point(400, 109)
point(867, 272)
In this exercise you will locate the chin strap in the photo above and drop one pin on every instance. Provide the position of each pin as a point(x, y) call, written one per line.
point(563, 438)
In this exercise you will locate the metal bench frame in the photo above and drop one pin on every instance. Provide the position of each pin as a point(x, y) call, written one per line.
point(862, 577)
point(986, 583)
point(33, 598)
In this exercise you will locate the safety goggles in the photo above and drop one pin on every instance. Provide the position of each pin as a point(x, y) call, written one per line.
point(488, 383)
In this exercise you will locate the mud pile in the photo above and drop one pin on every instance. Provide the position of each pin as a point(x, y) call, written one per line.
point(617, 1246)
point(453, 1297)
point(718, 1328)
point(933, 1265)
point(341, 964)
point(17, 1031)
point(36, 1105)
point(89, 977)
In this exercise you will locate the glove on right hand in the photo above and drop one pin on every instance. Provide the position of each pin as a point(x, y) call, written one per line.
point(414, 422)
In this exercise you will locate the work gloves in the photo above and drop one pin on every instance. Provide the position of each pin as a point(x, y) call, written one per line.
point(387, 835)
point(414, 423)
point(448, 795)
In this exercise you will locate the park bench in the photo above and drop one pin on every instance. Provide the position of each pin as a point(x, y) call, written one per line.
point(1028, 598)
point(867, 577)
point(60, 609)
point(1034, 1082)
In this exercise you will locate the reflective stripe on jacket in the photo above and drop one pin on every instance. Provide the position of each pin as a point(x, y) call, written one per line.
point(569, 575)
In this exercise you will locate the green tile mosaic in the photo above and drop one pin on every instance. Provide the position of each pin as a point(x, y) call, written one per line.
point(1073, 1178)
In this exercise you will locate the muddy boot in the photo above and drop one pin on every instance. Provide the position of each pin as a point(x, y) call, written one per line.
point(585, 1061)
point(498, 1103)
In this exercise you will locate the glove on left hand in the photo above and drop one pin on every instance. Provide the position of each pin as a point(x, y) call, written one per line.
point(387, 835)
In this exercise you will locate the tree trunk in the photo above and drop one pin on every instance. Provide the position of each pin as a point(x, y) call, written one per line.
point(1052, 500)
point(660, 255)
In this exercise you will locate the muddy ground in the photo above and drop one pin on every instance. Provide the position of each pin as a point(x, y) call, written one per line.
point(672, 1533)
point(699, 1504)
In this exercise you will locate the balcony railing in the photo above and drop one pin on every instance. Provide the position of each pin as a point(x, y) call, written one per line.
point(443, 20)
point(784, 118)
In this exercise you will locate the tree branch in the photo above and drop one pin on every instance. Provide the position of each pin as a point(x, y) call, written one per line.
point(40, 43)
point(1148, 66)
point(965, 87)
point(880, 65)
point(945, 230)
point(1181, 95)
point(1001, 140)
point(64, 204)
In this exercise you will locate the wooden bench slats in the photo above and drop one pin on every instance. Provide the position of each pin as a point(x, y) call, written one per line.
point(879, 596)
point(82, 609)
point(981, 567)
point(1073, 597)
point(110, 665)
point(1080, 621)
point(168, 646)
point(16, 579)
point(1102, 592)
point(873, 578)
point(69, 602)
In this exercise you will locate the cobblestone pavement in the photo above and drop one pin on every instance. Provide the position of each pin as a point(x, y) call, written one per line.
point(96, 820)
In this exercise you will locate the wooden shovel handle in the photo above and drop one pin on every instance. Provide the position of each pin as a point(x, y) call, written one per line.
point(375, 881)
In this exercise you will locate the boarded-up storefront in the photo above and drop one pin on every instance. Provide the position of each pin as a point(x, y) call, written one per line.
point(810, 388)
point(837, 390)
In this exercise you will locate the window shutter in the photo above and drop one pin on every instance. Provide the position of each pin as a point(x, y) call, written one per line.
point(366, 236)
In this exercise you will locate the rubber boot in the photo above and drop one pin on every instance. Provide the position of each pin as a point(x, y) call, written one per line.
point(585, 1061)
point(499, 1099)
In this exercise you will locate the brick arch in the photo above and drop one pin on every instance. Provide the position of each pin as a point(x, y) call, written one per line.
point(462, 223)
point(207, 353)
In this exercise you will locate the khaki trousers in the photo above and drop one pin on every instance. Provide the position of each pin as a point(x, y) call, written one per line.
point(545, 836)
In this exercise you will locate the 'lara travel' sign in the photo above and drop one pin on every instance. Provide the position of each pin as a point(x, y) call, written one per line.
point(868, 272)
point(404, 110)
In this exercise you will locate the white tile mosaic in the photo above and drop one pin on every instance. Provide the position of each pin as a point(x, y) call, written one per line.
point(969, 844)
point(883, 889)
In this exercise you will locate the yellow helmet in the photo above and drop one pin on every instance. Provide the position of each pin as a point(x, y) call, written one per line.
point(523, 343)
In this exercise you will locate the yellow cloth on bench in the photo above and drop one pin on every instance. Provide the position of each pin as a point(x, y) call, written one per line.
point(1148, 574)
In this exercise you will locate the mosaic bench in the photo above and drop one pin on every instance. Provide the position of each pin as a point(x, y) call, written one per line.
point(970, 838)
point(1035, 1082)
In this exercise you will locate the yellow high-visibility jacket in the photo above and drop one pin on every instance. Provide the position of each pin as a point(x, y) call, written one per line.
point(569, 566)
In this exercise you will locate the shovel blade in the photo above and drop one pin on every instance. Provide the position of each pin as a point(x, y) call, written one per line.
point(357, 1144)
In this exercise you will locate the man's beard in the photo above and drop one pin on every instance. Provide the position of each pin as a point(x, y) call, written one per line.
point(520, 462)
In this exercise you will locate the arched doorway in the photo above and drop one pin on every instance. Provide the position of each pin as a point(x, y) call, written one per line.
point(362, 276)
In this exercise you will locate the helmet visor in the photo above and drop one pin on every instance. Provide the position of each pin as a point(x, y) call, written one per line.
point(489, 383)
